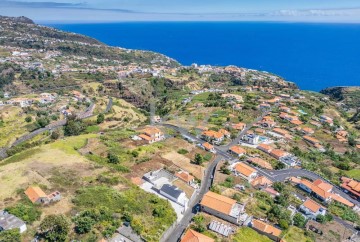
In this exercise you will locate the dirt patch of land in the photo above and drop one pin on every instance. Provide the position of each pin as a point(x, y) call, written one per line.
point(184, 163)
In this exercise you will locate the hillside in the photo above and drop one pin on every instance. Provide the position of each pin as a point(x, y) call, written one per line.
point(35, 58)
point(349, 96)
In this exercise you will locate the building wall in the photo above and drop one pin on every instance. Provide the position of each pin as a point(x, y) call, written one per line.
point(273, 237)
point(220, 215)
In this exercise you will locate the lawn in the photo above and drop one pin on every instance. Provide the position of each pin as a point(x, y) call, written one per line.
point(201, 97)
point(71, 144)
point(295, 234)
point(248, 234)
point(355, 173)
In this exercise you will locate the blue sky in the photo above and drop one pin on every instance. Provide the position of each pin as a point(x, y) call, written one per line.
point(183, 10)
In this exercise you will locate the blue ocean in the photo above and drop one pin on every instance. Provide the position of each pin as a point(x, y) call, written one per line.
point(314, 56)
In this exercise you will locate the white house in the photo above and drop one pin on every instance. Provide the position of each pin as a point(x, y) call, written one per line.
point(9, 221)
point(245, 171)
point(174, 194)
point(312, 209)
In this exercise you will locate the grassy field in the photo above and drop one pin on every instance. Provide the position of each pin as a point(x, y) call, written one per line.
point(35, 166)
point(295, 234)
point(355, 173)
point(12, 124)
point(248, 234)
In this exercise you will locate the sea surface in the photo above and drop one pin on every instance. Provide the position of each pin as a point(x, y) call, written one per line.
point(314, 56)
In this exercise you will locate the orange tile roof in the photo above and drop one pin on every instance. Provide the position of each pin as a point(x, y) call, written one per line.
point(295, 180)
point(320, 192)
point(151, 131)
point(213, 134)
point(218, 202)
point(311, 205)
point(311, 139)
point(296, 122)
point(237, 150)
point(193, 236)
point(278, 153)
point(280, 131)
point(323, 185)
point(306, 183)
point(239, 126)
point(145, 137)
point(265, 147)
point(34, 193)
point(342, 200)
point(244, 169)
point(266, 228)
point(224, 132)
point(354, 185)
point(308, 130)
point(260, 162)
point(261, 181)
point(184, 176)
point(208, 146)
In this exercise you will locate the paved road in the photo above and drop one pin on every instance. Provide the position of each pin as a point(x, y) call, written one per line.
point(206, 183)
point(86, 114)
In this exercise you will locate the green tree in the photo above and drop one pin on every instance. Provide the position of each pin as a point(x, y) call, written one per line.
point(199, 159)
point(299, 220)
point(28, 213)
point(283, 224)
point(100, 118)
point(73, 126)
point(54, 228)
point(42, 122)
point(55, 135)
point(112, 158)
point(278, 186)
point(28, 119)
point(83, 225)
point(11, 235)
point(320, 218)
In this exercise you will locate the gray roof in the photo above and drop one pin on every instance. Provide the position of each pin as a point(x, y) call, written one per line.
point(9, 221)
point(171, 190)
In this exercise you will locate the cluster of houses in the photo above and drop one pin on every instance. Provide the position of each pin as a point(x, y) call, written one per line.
point(43, 98)
point(230, 211)
point(321, 190)
point(288, 159)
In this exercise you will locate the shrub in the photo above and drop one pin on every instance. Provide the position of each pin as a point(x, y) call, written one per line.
point(28, 119)
point(54, 228)
point(183, 151)
point(28, 213)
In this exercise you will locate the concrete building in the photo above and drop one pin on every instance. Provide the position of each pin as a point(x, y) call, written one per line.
point(266, 229)
point(244, 171)
point(9, 221)
point(312, 209)
point(222, 207)
point(174, 194)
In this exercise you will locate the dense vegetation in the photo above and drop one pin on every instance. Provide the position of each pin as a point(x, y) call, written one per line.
point(148, 215)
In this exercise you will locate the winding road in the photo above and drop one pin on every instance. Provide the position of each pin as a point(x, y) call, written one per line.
point(86, 114)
